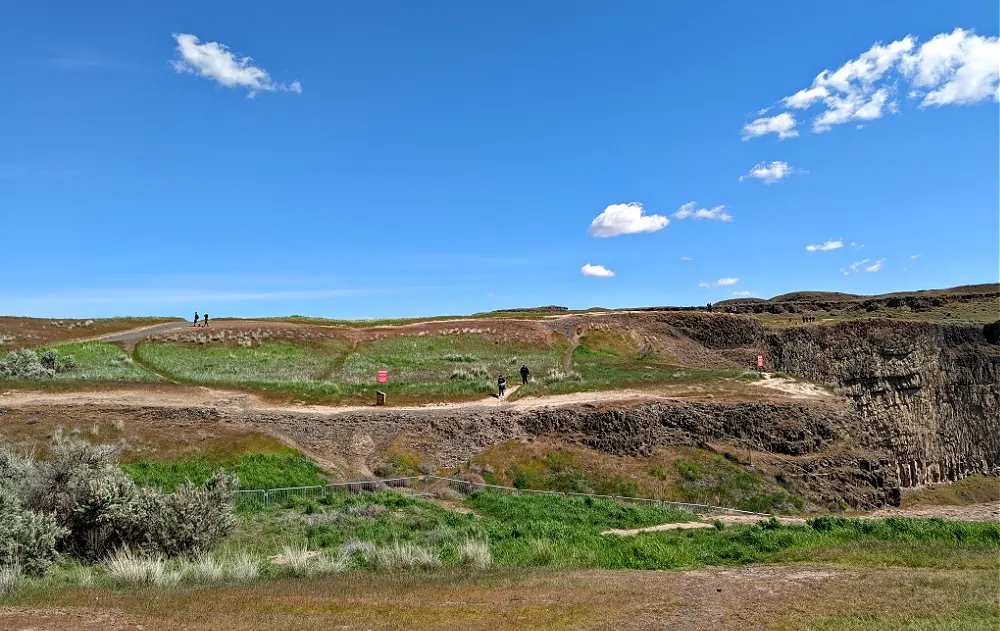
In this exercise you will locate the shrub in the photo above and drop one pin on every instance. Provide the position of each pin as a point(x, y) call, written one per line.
point(99, 510)
point(28, 540)
point(372, 511)
point(357, 548)
point(24, 364)
point(189, 520)
point(66, 364)
point(475, 554)
point(9, 578)
point(49, 359)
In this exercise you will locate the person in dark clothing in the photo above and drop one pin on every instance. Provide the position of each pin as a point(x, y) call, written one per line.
point(501, 387)
point(206, 319)
point(524, 374)
point(195, 319)
point(710, 307)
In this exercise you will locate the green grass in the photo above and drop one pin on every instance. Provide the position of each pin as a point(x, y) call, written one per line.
point(977, 489)
point(230, 364)
point(712, 479)
point(255, 470)
point(602, 362)
point(421, 368)
point(101, 361)
point(554, 531)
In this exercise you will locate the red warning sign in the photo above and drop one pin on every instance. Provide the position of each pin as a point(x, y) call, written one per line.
point(383, 376)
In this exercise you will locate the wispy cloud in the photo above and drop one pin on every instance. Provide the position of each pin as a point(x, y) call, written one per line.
point(914, 257)
point(598, 271)
point(954, 68)
point(690, 210)
point(215, 61)
point(855, 244)
point(722, 282)
point(875, 267)
point(769, 173)
point(826, 247)
point(742, 294)
point(782, 124)
point(854, 267)
point(687, 259)
point(619, 219)
point(82, 60)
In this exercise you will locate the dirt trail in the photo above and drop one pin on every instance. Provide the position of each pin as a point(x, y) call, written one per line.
point(201, 396)
point(129, 338)
point(793, 387)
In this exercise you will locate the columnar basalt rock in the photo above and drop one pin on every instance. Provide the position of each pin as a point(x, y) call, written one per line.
point(926, 395)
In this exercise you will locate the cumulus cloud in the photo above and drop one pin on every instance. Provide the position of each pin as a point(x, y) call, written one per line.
point(690, 210)
point(722, 282)
point(954, 68)
point(782, 124)
point(619, 219)
point(215, 61)
point(854, 267)
point(826, 247)
point(769, 172)
point(876, 266)
point(598, 271)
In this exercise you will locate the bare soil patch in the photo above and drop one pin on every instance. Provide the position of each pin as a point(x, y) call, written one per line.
point(769, 598)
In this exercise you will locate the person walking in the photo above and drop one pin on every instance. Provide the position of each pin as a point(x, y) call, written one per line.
point(524, 374)
point(206, 319)
point(501, 387)
point(196, 318)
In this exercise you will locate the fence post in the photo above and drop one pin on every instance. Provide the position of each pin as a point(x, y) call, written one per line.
point(267, 498)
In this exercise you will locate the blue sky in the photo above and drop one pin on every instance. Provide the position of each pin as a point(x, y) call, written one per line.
point(414, 158)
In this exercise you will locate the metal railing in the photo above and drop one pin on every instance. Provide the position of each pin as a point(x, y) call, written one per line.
point(430, 484)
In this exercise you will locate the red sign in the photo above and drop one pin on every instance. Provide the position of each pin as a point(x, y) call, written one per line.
point(760, 361)
point(383, 376)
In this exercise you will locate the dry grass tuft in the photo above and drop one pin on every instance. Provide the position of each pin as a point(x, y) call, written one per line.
point(475, 553)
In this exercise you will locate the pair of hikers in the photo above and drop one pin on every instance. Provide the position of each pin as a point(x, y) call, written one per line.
point(502, 383)
point(196, 319)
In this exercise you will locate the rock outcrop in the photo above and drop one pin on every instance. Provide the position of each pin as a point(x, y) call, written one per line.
point(926, 396)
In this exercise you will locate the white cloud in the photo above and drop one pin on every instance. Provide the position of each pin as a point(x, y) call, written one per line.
point(914, 257)
point(854, 267)
point(686, 258)
point(803, 99)
point(770, 173)
point(722, 282)
point(782, 124)
point(826, 247)
point(855, 244)
point(619, 219)
point(949, 69)
point(742, 294)
point(688, 210)
point(215, 61)
point(596, 270)
point(955, 68)
point(875, 266)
